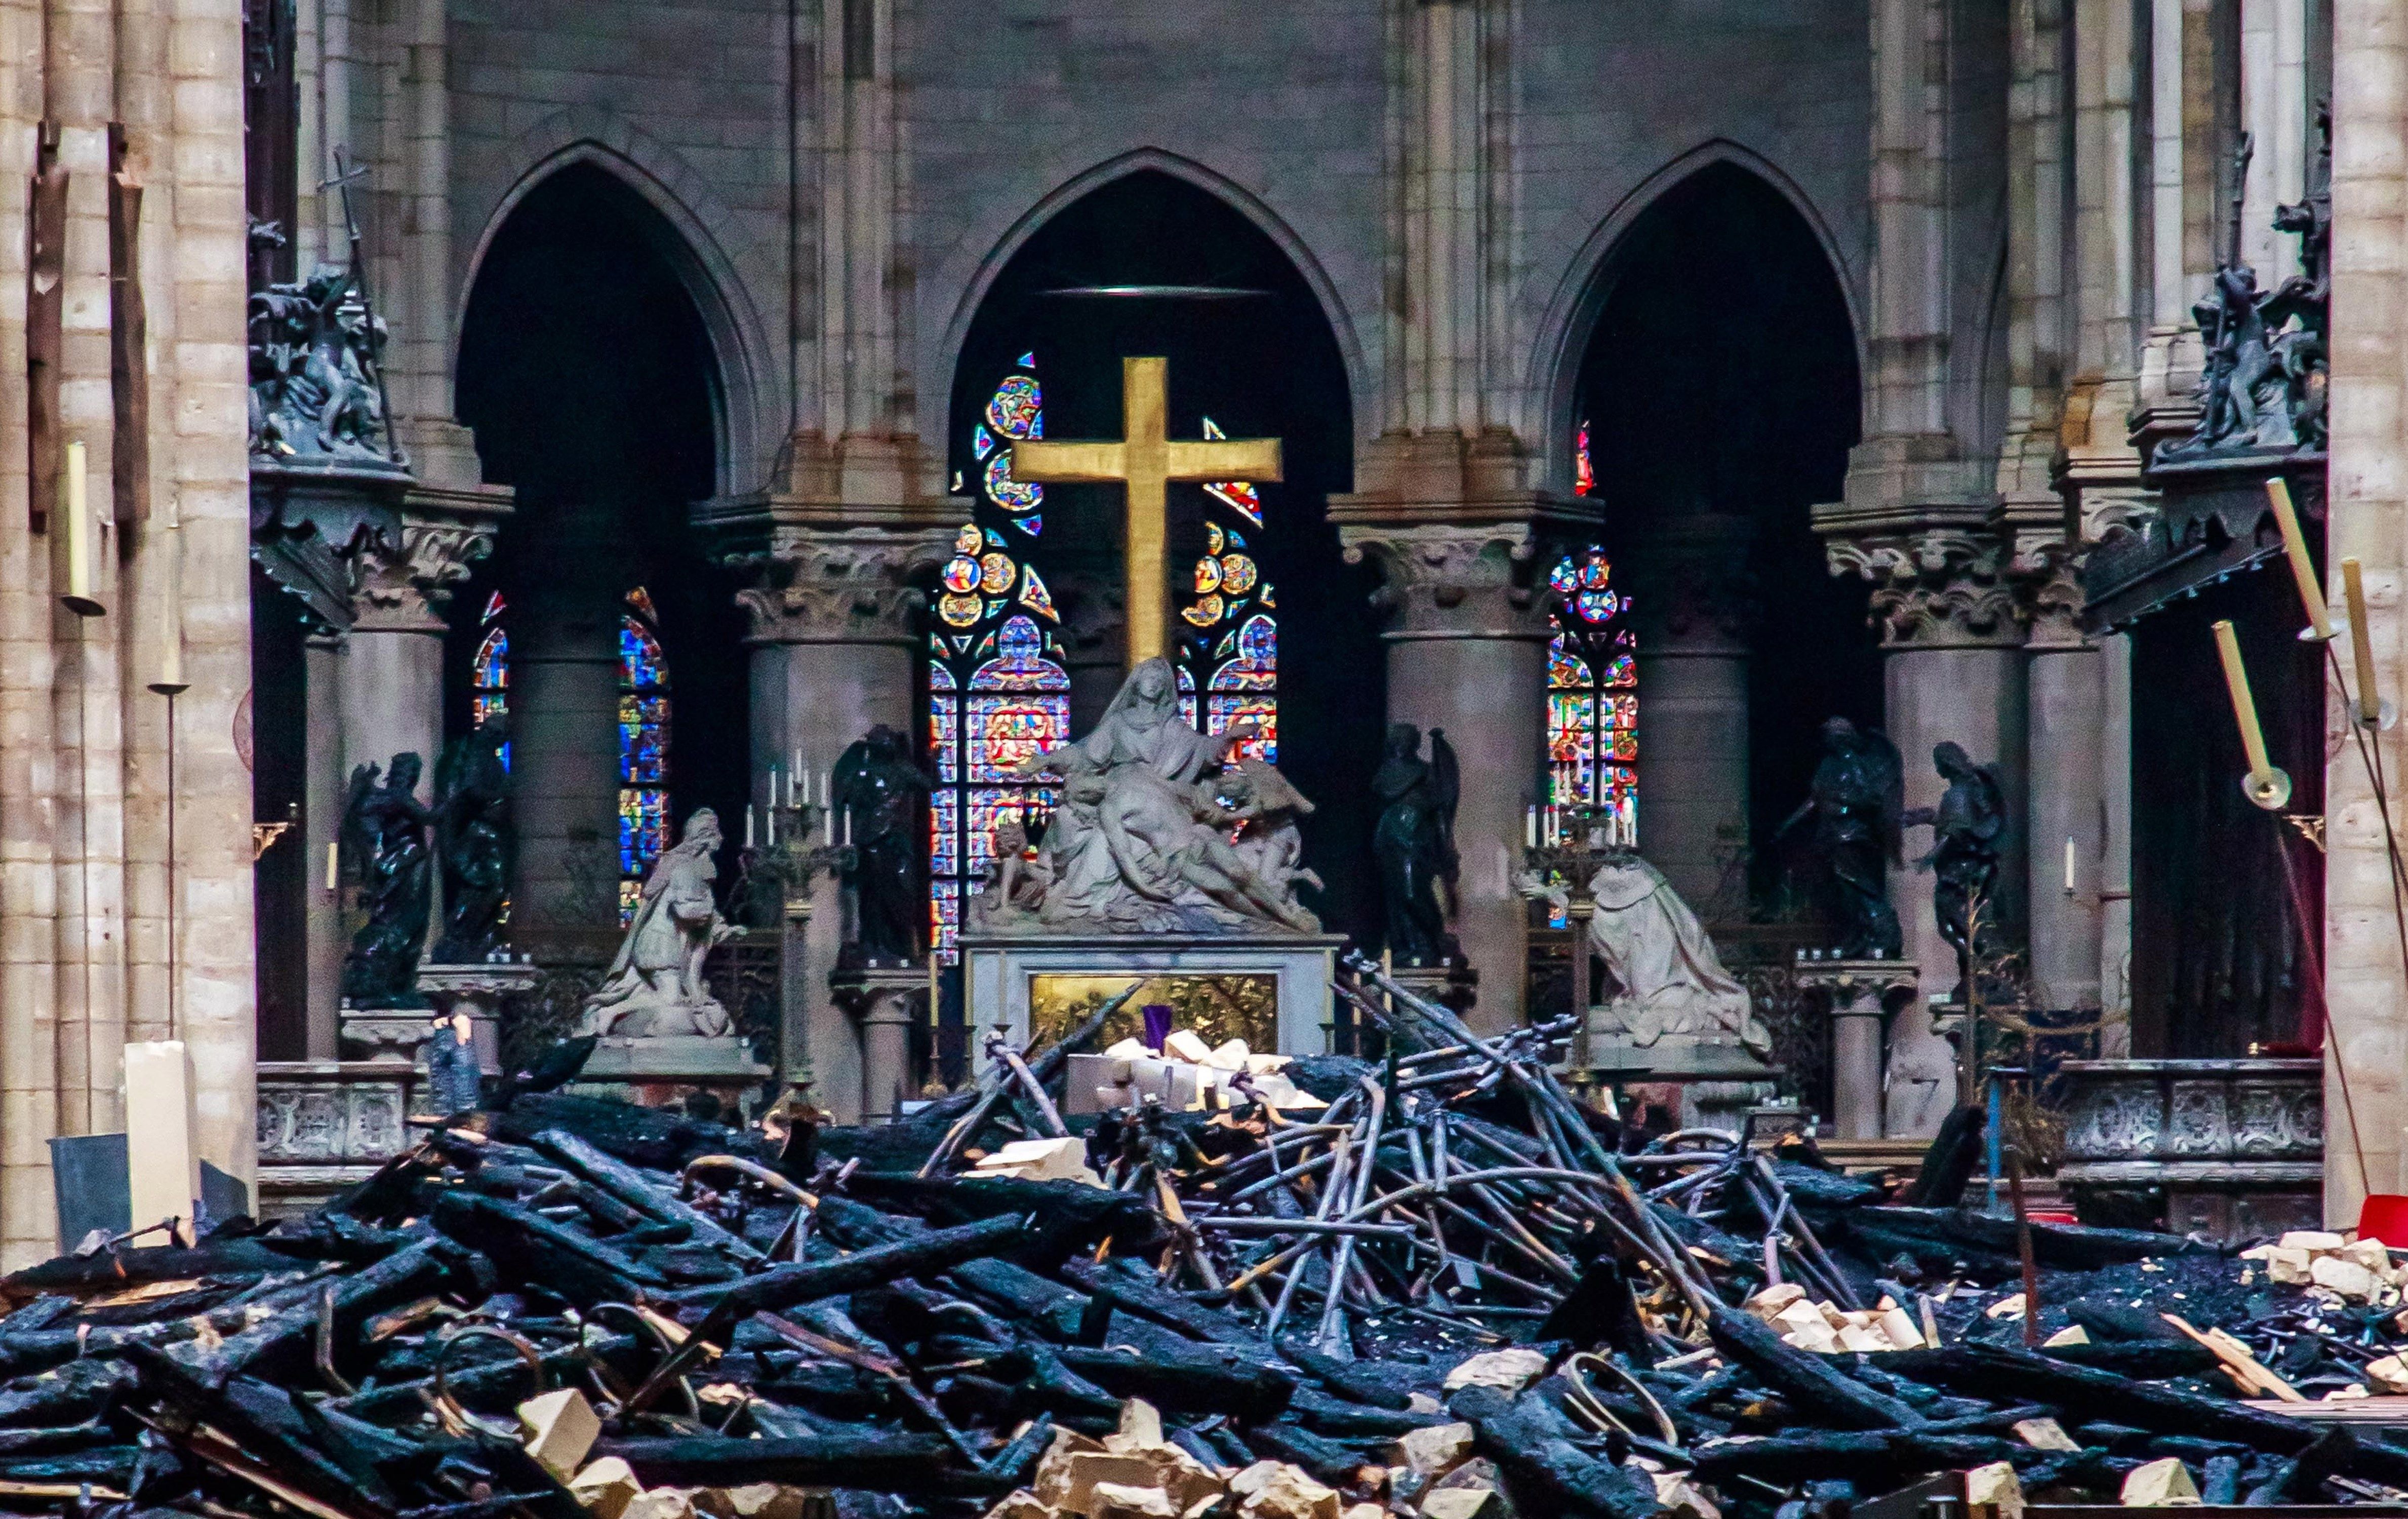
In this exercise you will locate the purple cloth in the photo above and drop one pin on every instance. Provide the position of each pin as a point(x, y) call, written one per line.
point(1157, 1025)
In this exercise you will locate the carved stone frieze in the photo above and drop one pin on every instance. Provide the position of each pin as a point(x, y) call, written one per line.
point(839, 584)
point(1444, 580)
point(1936, 587)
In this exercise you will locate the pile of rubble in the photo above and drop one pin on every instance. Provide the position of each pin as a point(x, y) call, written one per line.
point(1450, 1291)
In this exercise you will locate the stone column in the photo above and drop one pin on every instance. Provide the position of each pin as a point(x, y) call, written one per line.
point(2068, 708)
point(1691, 603)
point(1467, 653)
point(565, 748)
point(322, 812)
point(392, 681)
point(2367, 1029)
point(1954, 636)
point(833, 614)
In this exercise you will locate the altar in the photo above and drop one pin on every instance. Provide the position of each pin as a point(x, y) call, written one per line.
point(1006, 974)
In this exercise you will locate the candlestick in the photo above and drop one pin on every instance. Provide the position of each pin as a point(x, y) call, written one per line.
point(2266, 786)
point(2362, 644)
point(2068, 865)
point(2295, 545)
point(77, 509)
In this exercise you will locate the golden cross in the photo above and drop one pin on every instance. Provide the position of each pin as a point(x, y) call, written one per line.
point(1144, 460)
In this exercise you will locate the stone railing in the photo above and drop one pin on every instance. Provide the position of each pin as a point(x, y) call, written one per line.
point(327, 1125)
point(2225, 1148)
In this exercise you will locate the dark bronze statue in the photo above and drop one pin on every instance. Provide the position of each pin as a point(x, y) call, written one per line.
point(1854, 802)
point(1967, 830)
point(1414, 842)
point(315, 347)
point(2263, 380)
point(880, 788)
point(386, 829)
point(472, 832)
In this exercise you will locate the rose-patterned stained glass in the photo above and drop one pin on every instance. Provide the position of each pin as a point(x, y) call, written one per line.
point(643, 749)
point(1592, 690)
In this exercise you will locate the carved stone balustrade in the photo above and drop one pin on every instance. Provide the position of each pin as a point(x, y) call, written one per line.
point(2224, 1147)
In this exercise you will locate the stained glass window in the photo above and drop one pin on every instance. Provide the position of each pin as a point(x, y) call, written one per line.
point(643, 749)
point(1592, 692)
point(996, 695)
point(489, 680)
point(1229, 647)
point(1584, 465)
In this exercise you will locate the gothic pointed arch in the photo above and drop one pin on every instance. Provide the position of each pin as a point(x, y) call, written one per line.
point(692, 231)
point(1568, 319)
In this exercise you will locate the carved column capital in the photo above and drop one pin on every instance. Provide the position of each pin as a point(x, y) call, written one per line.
point(1449, 581)
point(1936, 587)
point(402, 578)
point(2048, 577)
point(814, 584)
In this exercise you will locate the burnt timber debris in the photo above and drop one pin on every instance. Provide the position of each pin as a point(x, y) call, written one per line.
point(1441, 1286)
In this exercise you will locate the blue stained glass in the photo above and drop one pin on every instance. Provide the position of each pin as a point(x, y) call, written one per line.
point(640, 665)
point(1020, 663)
point(1256, 666)
point(1592, 692)
point(643, 749)
point(1226, 712)
point(1031, 525)
point(945, 811)
point(982, 442)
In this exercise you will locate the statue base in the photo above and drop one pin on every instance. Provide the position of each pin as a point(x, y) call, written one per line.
point(888, 1002)
point(659, 1072)
point(1002, 970)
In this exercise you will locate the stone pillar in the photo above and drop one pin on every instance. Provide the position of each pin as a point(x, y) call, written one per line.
point(322, 814)
point(1691, 605)
point(2366, 1028)
point(886, 1004)
point(2068, 709)
point(1467, 653)
point(2115, 757)
point(1953, 635)
point(1861, 995)
point(565, 746)
point(834, 634)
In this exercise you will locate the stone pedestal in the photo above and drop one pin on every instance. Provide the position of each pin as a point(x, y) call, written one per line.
point(659, 1072)
point(1000, 970)
point(479, 989)
point(2226, 1148)
point(886, 1004)
point(1859, 995)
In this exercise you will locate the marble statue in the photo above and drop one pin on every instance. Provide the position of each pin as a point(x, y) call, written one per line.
point(385, 829)
point(878, 790)
point(473, 839)
point(314, 352)
point(1668, 979)
point(1855, 801)
point(1153, 832)
point(1967, 828)
point(1414, 842)
point(654, 988)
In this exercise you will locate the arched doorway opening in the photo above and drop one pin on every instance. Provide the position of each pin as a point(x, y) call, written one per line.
point(1716, 400)
point(599, 625)
point(1268, 623)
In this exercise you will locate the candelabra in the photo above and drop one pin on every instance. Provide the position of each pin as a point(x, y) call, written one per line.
point(777, 847)
point(1564, 846)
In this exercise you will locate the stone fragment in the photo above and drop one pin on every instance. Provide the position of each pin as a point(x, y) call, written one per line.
point(1071, 1483)
point(1041, 1160)
point(1434, 1451)
point(2072, 1334)
point(2287, 1266)
point(1995, 1486)
point(1816, 1337)
point(604, 1488)
point(1022, 1504)
point(561, 1426)
point(1507, 1370)
point(1185, 1044)
point(661, 1503)
point(1769, 1303)
point(1461, 1503)
point(1675, 1493)
point(754, 1500)
point(2343, 1276)
point(2311, 1241)
point(2009, 1306)
point(2045, 1435)
point(1114, 1500)
point(1364, 1510)
point(1140, 1427)
point(1871, 1341)
point(1276, 1490)
point(2160, 1484)
point(2388, 1374)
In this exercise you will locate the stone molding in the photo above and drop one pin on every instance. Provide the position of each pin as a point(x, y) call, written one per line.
point(839, 584)
point(1444, 580)
point(1936, 587)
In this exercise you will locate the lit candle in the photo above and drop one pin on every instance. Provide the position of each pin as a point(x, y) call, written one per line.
point(77, 507)
point(796, 770)
point(1531, 827)
point(2068, 865)
point(2267, 786)
point(333, 863)
point(749, 811)
point(2295, 544)
point(2362, 644)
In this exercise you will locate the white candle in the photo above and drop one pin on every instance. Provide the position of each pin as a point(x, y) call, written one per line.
point(773, 827)
point(75, 506)
point(749, 811)
point(797, 769)
point(333, 863)
point(848, 828)
point(2068, 865)
point(1531, 827)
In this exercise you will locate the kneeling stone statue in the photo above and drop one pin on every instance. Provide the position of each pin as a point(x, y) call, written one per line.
point(654, 988)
